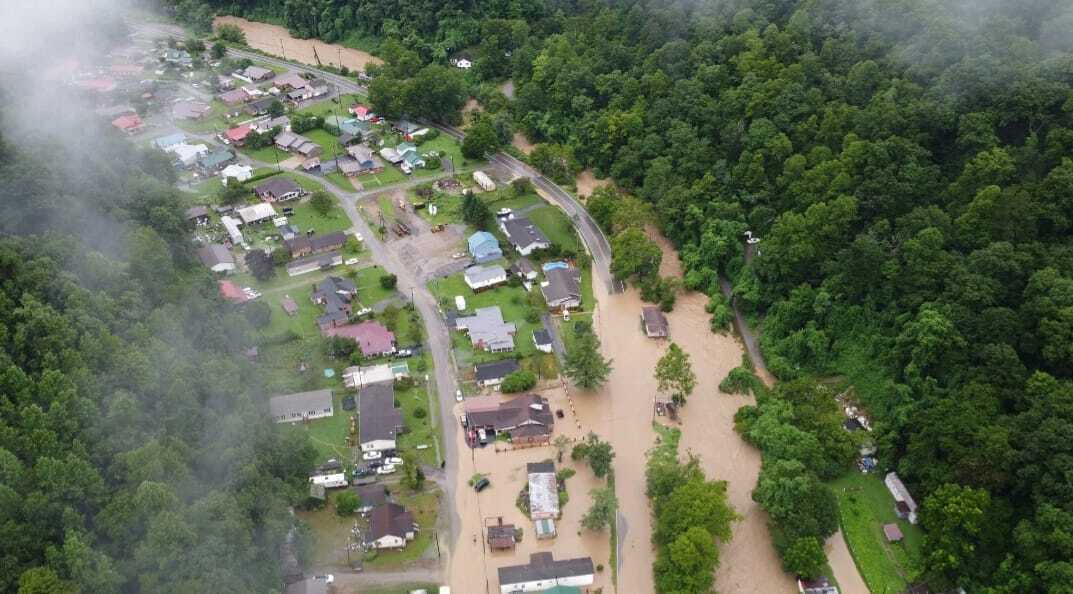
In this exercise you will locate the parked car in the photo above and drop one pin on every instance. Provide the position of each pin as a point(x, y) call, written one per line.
point(482, 436)
point(481, 484)
point(458, 395)
point(403, 353)
point(394, 461)
point(373, 455)
point(465, 422)
point(386, 469)
point(325, 578)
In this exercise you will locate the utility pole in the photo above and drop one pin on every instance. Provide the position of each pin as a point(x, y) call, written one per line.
point(282, 49)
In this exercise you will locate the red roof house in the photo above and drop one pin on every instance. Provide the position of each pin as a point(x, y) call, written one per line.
point(99, 85)
point(372, 337)
point(129, 123)
point(238, 134)
point(231, 292)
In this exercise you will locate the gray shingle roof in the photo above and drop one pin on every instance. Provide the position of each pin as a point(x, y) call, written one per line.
point(522, 232)
point(542, 566)
point(214, 254)
point(301, 402)
point(378, 419)
point(495, 370)
point(563, 284)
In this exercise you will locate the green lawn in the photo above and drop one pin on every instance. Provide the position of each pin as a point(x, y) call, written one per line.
point(864, 505)
point(214, 121)
point(329, 107)
point(424, 507)
point(329, 434)
point(390, 175)
point(505, 198)
point(269, 155)
point(306, 217)
point(387, 208)
point(512, 301)
point(557, 226)
point(327, 142)
point(369, 290)
point(448, 148)
point(448, 209)
point(418, 430)
point(340, 181)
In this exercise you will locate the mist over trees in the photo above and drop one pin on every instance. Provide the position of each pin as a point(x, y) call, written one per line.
point(136, 452)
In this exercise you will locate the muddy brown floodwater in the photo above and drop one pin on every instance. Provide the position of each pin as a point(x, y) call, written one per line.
point(748, 562)
point(276, 40)
point(586, 182)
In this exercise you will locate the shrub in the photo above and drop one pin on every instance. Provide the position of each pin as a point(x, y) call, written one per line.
point(519, 381)
point(420, 413)
point(389, 281)
point(346, 503)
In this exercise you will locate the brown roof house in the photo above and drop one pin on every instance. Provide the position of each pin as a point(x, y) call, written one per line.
point(654, 322)
point(501, 537)
point(527, 418)
point(371, 496)
point(317, 244)
point(278, 189)
point(391, 526)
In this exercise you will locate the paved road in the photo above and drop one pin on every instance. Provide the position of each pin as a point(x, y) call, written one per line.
point(752, 346)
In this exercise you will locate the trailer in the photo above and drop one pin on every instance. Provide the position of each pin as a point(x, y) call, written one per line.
point(329, 481)
point(484, 181)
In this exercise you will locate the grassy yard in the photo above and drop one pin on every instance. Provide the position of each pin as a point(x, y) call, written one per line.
point(340, 181)
point(329, 434)
point(423, 506)
point(369, 290)
point(329, 143)
point(557, 226)
point(330, 535)
point(269, 155)
point(512, 301)
point(387, 208)
point(419, 429)
point(864, 505)
point(390, 175)
point(448, 148)
point(329, 107)
point(215, 121)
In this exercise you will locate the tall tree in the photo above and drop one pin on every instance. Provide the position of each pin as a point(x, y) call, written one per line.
point(584, 364)
point(674, 374)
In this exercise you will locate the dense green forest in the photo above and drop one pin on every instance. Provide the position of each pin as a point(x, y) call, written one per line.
point(909, 167)
point(136, 453)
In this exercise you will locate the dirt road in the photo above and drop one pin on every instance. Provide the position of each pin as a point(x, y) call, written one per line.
point(277, 40)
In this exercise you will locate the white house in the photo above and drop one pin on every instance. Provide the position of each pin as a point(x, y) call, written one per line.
point(484, 181)
point(379, 421)
point(482, 277)
point(391, 526)
point(256, 213)
point(524, 235)
point(302, 406)
point(188, 154)
point(543, 572)
point(329, 481)
point(217, 258)
point(464, 64)
point(239, 173)
point(231, 225)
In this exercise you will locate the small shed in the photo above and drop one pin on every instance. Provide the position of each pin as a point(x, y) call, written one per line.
point(501, 537)
point(288, 305)
point(654, 322)
point(545, 528)
point(892, 532)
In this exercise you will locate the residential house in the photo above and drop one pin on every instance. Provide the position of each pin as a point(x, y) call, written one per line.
point(904, 505)
point(314, 262)
point(359, 377)
point(126, 70)
point(492, 374)
point(239, 173)
point(346, 139)
point(543, 491)
point(391, 155)
point(542, 340)
point(405, 127)
point(165, 142)
point(296, 143)
point(372, 337)
point(524, 269)
point(289, 80)
point(348, 166)
point(527, 418)
point(224, 83)
point(334, 295)
point(654, 322)
point(487, 331)
point(484, 181)
point(315, 244)
point(364, 157)
point(484, 247)
point(278, 189)
point(130, 123)
point(501, 537)
point(313, 88)
point(371, 496)
point(355, 128)
point(198, 215)
point(187, 155)
point(302, 406)
point(463, 63)
point(177, 57)
point(260, 106)
point(268, 124)
point(390, 527)
point(362, 113)
point(237, 136)
point(215, 160)
point(190, 110)
point(379, 420)
point(524, 235)
point(231, 225)
point(217, 258)
point(411, 161)
point(543, 572)
point(562, 288)
point(234, 97)
point(254, 74)
point(482, 277)
point(256, 213)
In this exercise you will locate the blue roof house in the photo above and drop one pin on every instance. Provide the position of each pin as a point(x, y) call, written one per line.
point(170, 140)
point(484, 247)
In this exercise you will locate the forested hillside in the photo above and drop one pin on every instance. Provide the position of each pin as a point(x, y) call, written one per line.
point(136, 454)
point(908, 165)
